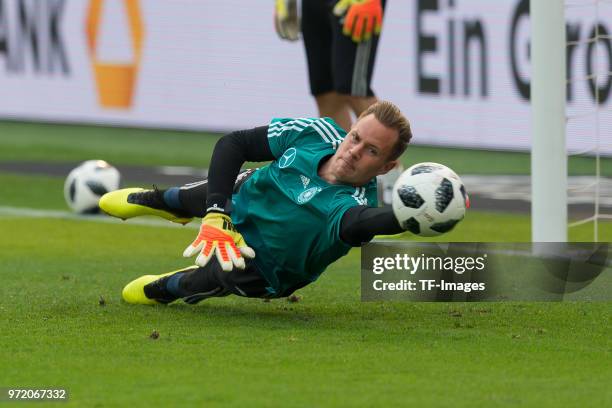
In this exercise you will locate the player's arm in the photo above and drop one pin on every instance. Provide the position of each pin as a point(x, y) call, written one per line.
point(217, 234)
point(361, 223)
point(229, 154)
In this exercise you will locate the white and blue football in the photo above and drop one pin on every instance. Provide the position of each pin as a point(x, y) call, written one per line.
point(88, 182)
point(429, 199)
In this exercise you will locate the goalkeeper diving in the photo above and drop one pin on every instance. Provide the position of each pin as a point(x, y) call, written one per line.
point(267, 232)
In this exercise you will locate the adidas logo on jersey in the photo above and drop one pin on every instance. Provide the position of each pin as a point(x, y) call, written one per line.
point(305, 180)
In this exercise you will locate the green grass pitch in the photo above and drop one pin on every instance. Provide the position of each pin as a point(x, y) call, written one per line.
point(328, 349)
point(63, 323)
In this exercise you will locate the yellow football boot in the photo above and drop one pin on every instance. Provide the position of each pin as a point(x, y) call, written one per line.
point(133, 202)
point(135, 293)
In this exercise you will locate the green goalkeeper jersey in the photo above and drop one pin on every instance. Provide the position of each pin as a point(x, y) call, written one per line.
point(287, 213)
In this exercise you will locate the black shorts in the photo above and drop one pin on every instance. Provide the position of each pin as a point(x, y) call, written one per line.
point(193, 195)
point(335, 62)
point(211, 280)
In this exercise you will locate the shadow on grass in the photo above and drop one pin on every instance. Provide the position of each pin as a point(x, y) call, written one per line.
point(281, 314)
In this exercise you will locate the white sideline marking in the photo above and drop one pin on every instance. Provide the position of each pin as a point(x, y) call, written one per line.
point(182, 171)
point(581, 189)
point(66, 215)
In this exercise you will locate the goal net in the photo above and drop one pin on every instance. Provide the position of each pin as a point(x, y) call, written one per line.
point(571, 101)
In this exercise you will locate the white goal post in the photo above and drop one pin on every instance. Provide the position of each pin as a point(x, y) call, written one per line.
point(548, 99)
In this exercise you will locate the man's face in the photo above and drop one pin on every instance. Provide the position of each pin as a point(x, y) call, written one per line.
point(364, 153)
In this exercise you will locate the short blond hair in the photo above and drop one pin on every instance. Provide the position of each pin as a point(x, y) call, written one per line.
point(390, 116)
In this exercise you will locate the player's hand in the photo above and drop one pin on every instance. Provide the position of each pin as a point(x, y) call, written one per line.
point(286, 20)
point(363, 18)
point(219, 236)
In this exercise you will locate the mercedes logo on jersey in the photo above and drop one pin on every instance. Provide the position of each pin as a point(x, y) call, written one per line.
point(287, 158)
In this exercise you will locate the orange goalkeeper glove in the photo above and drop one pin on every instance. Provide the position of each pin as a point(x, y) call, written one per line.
point(219, 236)
point(363, 18)
point(286, 20)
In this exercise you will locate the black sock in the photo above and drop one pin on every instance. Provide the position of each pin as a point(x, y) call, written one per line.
point(158, 290)
point(194, 285)
point(192, 198)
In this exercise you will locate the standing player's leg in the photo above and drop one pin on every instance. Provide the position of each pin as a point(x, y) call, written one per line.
point(317, 35)
point(335, 106)
point(360, 103)
point(353, 66)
